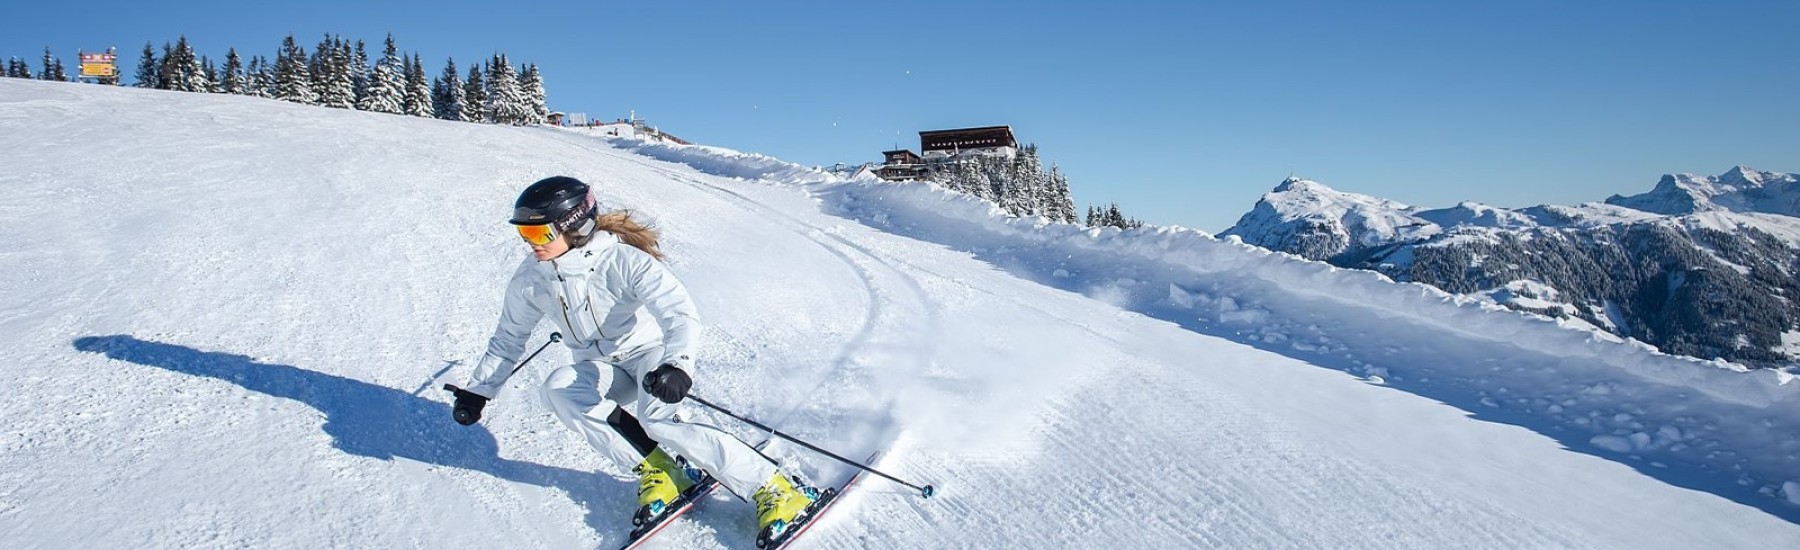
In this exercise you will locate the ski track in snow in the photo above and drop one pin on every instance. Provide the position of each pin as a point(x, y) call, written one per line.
point(889, 335)
point(1056, 397)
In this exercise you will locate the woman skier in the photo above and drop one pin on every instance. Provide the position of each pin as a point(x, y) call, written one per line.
point(592, 275)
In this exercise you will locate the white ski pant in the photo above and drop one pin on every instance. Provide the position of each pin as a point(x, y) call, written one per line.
point(583, 394)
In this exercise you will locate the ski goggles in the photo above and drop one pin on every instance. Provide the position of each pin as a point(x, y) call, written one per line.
point(538, 235)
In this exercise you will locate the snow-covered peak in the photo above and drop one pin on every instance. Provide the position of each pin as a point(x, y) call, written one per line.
point(1293, 183)
point(1741, 189)
point(1302, 199)
point(1351, 221)
point(1303, 196)
point(1743, 176)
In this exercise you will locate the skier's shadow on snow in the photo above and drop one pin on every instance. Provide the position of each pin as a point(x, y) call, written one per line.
point(365, 419)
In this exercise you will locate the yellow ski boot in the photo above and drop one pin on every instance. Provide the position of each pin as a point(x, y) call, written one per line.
point(778, 504)
point(660, 482)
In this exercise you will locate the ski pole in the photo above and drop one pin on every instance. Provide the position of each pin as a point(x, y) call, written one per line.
point(554, 338)
point(925, 491)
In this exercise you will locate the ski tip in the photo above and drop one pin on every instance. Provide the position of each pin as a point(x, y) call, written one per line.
point(928, 491)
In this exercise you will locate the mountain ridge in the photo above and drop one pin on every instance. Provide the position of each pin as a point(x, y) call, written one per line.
point(1622, 266)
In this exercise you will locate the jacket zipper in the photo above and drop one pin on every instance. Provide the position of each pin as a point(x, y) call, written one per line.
point(564, 301)
point(598, 334)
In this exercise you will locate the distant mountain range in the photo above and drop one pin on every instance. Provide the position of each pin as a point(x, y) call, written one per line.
point(1703, 266)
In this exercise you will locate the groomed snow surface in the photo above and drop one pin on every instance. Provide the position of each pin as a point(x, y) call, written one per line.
point(225, 320)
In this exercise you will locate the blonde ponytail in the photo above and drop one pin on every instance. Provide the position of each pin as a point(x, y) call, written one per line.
point(619, 222)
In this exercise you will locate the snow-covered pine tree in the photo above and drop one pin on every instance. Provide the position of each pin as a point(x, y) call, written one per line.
point(53, 68)
point(359, 73)
point(387, 83)
point(973, 179)
point(505, 103)
point(407, 102)
point(211, 75)
point(259, 78)
point(201, 82)
point(1111, 217)
point(343, 73)
point(1058, 200)
point(1025, 175)
point(231, 79)
point(447, 93)
point(168, 71)
point(1035, 182)
point(1015, 199)
point(383, 95)
point(186, 67)
point(293, 82)
point(418, 89)
point(17, 68)
point(1097, 217)
point(315, 65)
point(146, 71)
point(531, 85)
point(330, 65)
point(475, 97)
point(1012, 185)
point(180, 69)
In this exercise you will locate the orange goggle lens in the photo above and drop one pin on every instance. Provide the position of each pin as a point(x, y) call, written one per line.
point(537, 234)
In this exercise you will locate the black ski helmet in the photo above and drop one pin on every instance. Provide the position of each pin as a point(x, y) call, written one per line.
point(561, 201)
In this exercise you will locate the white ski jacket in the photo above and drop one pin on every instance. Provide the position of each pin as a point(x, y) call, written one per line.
point(596, 295)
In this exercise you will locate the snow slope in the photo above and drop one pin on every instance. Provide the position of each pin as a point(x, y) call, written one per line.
point(226, 329)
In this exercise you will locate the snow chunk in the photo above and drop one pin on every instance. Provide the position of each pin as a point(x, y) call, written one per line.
point(1792, 490)
point(1178, 296)
point(1611, 443)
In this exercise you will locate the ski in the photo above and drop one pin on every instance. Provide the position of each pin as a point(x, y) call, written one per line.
point(805, 520)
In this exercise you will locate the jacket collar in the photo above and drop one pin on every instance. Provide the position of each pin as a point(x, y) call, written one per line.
point(579, 261)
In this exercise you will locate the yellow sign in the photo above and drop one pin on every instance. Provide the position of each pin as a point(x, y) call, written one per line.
point(99, 64)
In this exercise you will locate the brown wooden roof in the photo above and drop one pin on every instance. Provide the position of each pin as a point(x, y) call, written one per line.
point(967, 138)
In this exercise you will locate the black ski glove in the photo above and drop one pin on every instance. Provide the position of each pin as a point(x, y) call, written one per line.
point(668, 383)
point(468, 405)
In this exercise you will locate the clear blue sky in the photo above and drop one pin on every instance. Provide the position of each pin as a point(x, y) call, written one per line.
point(1183, 113)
